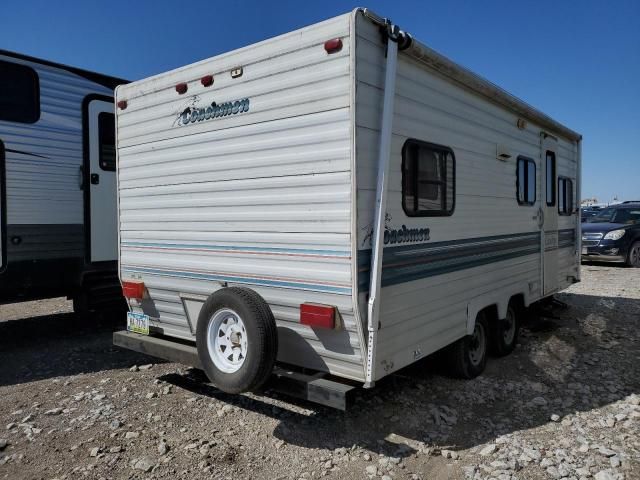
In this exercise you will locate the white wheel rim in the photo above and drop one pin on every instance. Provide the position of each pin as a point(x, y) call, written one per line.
point(477, 345)
point(509, 331)
point(227, 340)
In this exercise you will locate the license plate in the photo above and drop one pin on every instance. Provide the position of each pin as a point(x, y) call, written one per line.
point(585, 250)
point(138, 323)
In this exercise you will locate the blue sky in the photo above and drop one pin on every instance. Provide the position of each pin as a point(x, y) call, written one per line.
point(579, 62)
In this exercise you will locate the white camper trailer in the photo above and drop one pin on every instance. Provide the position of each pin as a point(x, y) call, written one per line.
point(341, 198)
point(57, 182)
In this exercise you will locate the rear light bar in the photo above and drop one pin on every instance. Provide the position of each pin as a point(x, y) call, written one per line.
point(181, 88)
point(207, 80)
point(315, 315)
point(333, 45)
point(133, 289)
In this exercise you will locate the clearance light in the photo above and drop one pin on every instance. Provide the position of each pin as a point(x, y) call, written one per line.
point(133, 289)
point(207, 80)
point(181, 88)
point(334, 45)
point(122, 104)
point(314, 315)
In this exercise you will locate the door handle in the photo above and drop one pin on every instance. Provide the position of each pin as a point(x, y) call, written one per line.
point(540, 217)
point(95, 179)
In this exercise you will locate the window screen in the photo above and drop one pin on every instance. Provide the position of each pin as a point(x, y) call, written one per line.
point(19, 93)
point(428, 179)
point(565, 196)
point(551, 179)
point(526, 181)
point(107, 141)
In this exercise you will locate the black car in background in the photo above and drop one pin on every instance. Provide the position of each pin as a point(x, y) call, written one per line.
point(613, 234)
point(587, 212)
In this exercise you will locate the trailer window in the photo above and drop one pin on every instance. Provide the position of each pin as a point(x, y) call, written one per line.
point(19, 93)
point(107, 141)
point(526, 181)
point(565, 196)
point(551, 179)
point(428, 179)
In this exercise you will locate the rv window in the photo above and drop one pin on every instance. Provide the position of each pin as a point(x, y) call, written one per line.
point(565, 196)
point(428, 179)
point(526, 181)
point(551, 179)
point(19, 93)
point(107, 140)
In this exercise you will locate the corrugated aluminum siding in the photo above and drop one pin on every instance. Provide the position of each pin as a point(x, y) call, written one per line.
point(43, 183)
point(261, 198)
point(421, 315)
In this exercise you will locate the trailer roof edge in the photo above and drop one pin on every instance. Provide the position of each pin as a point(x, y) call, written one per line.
point(478, 84)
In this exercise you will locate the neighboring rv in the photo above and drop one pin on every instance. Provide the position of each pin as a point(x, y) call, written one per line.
point(57, 183)
point(340, 198)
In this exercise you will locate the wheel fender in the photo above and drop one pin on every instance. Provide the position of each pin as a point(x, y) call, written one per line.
point(500, 299)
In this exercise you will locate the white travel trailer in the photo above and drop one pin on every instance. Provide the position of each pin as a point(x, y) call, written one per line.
point(57, 182)
point(342, 198)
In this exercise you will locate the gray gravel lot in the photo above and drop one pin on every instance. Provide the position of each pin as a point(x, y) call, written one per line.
point(565, 404)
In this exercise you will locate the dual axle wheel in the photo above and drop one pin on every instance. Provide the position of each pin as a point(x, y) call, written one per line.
point(467, 358)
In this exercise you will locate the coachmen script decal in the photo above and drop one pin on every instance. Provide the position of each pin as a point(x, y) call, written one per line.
point(195, 113)
point(394, 236)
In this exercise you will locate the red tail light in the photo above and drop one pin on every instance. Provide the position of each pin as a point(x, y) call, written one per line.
point(314, 315)
point(122, 104)
point(207, 80)
point(181, 88)
point(333, 45)
point(133, 289)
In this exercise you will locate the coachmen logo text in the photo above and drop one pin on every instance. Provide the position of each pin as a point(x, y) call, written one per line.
point(195, 114)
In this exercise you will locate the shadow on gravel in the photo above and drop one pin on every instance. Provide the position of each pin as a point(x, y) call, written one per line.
point(569, 360)
point(62, 344)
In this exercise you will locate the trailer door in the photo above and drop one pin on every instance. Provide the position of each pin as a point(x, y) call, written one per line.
point(549, 230)
point(101, 178)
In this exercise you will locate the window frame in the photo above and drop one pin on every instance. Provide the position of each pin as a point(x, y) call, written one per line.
point(36, 85)
point(100, 138)
point(428, 213)
point(527, 161)
point(569, 181)
point(554, 180)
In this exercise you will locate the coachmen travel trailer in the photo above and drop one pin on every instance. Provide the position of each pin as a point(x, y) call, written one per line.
point(340, 198)
point(57, 183)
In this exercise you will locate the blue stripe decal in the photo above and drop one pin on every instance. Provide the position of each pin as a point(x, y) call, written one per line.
point(294, 251)
point(413, 262)
point(566, 238)
point(243, 280)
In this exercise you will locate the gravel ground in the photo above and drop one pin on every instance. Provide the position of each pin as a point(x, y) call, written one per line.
point(565, 404)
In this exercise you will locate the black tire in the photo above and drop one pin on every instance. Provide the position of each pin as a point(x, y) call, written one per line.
point(81, 305)
point(466, 358)
point(259, 326)
point(633, 257)
point(504, 332)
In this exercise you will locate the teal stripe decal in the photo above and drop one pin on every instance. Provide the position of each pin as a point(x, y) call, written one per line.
point(201, 246)
point(238, 279)
point(413, 262)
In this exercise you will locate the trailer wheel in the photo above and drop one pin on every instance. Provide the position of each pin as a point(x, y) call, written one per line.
point(237, 339)
point(505, 332)
point(468, 356)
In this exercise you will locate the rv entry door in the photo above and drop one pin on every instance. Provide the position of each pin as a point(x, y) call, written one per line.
point(549, 207)
point(101, 181)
